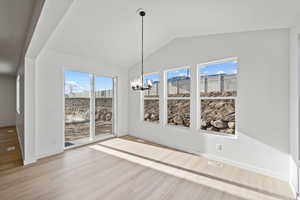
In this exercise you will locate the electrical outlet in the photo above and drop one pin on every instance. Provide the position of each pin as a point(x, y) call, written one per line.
point(219, 147)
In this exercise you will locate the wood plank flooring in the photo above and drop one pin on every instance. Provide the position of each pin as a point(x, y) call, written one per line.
point(12, 158)
point(199, 169)
point(120, 169)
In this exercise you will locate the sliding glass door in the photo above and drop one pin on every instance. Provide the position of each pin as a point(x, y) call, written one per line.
point(104, 96)
point(89, 107)
point(77, 107)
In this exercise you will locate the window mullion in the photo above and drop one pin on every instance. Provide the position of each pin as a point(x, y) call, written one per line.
point(92, 107)
point(193, 98)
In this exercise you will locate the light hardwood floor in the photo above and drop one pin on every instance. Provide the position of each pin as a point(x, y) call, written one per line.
point(198, 169)
point(119, 169)
point(12, 158)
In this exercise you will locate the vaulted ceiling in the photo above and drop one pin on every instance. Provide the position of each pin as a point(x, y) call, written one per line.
point(109, 30)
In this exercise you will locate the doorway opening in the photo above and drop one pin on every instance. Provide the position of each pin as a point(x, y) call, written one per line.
point(89, 108)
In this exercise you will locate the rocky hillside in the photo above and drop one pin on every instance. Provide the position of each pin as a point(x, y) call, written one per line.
point(77, 117)
point(217, 115)
point(179, 112)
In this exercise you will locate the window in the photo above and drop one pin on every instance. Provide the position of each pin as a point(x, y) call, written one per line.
point(18, 95)
point(178, 97)
point(151, 99)
point(218, 91)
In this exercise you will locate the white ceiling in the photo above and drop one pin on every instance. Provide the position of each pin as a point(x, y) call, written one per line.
point(109, 30)
point(14, 20)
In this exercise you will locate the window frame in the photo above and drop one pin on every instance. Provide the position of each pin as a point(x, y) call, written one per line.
point(18, 94)
point(199, 98)
point(114, 103)
point(143, 98)
point(166, 97)
point(92, 136)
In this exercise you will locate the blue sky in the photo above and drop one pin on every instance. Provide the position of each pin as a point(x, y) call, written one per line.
point(229, 67)
point(178, 73)
point(104, 83)
point(153, 77)
point(171, 74)
point(80, 81)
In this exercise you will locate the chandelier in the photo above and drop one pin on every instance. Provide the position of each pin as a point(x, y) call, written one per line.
point(138, 84)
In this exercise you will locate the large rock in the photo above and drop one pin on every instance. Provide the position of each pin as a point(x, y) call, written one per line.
point(229, 130)
point(219, 124)
point(108, 116)
point(204, 124)
point(231, 125)
point(153, 117)
point(218, 114)
point(178, 120)
point(212, 128)
point(219, 104)
point(146, 116)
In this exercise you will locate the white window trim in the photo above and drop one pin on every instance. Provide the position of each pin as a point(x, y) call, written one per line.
point(166, 98)
point(143, 98)
point(18, 95)
point(92, 137)
point(195, 107)
point(199, 98)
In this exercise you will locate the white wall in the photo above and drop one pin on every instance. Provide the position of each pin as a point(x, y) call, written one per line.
point(29, 111)
point(7, 100)
point(294, 94)
point(49, 87)
point(20, 116)
point(263, 99)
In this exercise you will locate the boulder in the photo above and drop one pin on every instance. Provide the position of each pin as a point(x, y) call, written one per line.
point(204, 124)
point(229, 117)
point(229, 109)
point(108, 116)
point(153, 117)
point(229, 130)
point(219, 124)
point(219, 104)
point(212, 128)
point(178, 120)
point(146, 116)
point(231, 125)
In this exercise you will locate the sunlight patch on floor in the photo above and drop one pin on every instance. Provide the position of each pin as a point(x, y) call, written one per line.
point(174, 163)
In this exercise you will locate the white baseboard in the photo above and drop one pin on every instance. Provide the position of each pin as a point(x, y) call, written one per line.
point(44, 155)
point(7, 125)
point(27, 162)
point(293, 176)
point(246, 166)
point(225, 160)
point(294, 190)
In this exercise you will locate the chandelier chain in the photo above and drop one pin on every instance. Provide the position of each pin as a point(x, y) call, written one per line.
point(142, 50)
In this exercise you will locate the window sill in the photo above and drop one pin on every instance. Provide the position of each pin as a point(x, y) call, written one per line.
point(189, 129)
point(178, 127)
point(150, 123)
point(217, 134)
